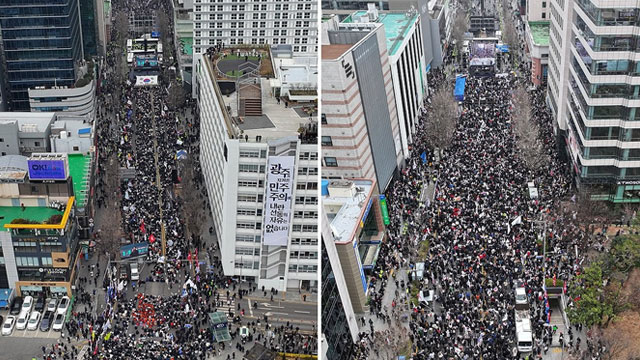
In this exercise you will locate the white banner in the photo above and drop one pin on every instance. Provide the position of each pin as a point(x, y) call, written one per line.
point(277, 214)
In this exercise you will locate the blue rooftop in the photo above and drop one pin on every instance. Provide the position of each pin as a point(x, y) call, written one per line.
point(84, 131)
point(396, 26)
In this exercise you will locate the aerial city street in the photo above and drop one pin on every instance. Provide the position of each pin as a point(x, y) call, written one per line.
point(158, 188)
point(479, 186)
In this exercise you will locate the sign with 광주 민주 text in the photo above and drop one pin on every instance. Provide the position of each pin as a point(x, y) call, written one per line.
point(277, 214)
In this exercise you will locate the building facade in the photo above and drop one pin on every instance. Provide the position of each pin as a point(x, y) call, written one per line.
point(537, 29)
point(356, 228)
point(339, 322)
point(79, 101)
point(38, 230)
point(23, 133)
point(593, 92)
point(361, 132)
point(408, 66)
point(238, 171)
point(42, 45)
point(257, 23)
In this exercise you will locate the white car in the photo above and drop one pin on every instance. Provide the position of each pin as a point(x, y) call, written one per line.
point(58, 322)
point(52, 305)
point(63, 306)
point(521, 296)
point(7, 327)
point(34, 320)
point(27, 305)
point(21, 323)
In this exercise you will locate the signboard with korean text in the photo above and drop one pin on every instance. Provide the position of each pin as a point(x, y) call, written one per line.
point(385, 211)
point(47, 169)
point(277, 212)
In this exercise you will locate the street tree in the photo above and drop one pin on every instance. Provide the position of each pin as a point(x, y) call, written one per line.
point(621, 337)
point(121, 27)
point(460, 27)
point(526, 131)
point(176, 96)
point(442, 118)
point(192, 202)
point(108, 240)
point(164, 27)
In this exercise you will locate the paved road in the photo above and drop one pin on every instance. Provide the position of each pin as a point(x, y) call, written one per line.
point(303, 315)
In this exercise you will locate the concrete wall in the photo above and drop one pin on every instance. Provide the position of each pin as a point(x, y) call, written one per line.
point(9, 138)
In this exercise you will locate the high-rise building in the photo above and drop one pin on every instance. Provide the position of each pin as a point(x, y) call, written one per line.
point(89, 22)
point(353, 4)
point(361, 132)
point(354, 214)
point(405, 50)
point(594, 63)
point(42, 45)
point(339, 322)
point(261, 175)
point(537, 38)
point(256, 22)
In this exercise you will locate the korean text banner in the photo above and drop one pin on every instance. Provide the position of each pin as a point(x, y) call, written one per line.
point(277, 215)
point(46, 170)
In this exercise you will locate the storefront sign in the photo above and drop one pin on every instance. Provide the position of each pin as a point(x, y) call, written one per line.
point(277, 214)
point(383, 208)
point(133, 250)
point(47, 170)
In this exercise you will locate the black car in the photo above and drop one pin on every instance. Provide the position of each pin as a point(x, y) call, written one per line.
point(47, 319)
point(16, 305)
point(40, 304)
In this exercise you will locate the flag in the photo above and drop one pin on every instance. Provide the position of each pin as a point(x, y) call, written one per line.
point(423, 156)
point(564, 288)
point(554, 279)
point(517, 221)
point(152, 238)
point(142, 228)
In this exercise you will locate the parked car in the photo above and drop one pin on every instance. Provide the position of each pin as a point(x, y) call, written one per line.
point(27, 304)
point(135, 275)
point(52, 305)
point(34, 320)
point(58, 322)
point(7, 326)
point(47, 319)
point(16, 305)
point(124, 272)
point(39, 305)
point(21, 323)
point(63, 306)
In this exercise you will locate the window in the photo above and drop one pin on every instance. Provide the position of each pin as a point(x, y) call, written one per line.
point(246, 198)
point(544, 4)
point(544, 15)
point(250, 212)
point(246, 225)
point(46, 261)
point(30, 261)
point(326, 141)
point(37, 143)
point(249, 154)
point(249, 168)
point(330, 161)
point(247, 183)
point(247, 238)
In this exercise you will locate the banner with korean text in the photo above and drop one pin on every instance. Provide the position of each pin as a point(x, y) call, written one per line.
point(277, 215)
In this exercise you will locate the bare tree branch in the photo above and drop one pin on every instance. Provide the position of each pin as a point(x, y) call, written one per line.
point(527, 131)
point(442, 118)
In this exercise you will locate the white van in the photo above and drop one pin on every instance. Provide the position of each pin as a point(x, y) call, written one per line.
point(524, 335)
point(135, 275)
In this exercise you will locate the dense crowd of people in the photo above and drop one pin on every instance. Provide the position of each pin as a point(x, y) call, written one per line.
point(483, 232)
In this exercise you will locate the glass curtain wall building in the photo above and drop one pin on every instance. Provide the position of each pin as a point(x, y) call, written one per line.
point(42, 44)
point(594, 91)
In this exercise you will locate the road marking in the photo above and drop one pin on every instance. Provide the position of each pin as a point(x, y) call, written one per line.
point(250, 308)
point(279, 313)
point(301, 312)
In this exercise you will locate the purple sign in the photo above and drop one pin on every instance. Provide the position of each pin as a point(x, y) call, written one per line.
point(46, 170)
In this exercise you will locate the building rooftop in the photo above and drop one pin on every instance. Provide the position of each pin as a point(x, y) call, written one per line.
point(79, 169)
point(540, 32)
point(186, 45)
point(13, 168)
point(29, 121)
point(396, 26)
point(345, 212)
point(33, 213)
point(332, 52)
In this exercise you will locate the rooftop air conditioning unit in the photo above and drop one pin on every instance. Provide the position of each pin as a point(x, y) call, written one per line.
point(342, 188)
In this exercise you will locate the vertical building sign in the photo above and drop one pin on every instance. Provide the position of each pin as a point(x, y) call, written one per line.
point(277, 213)
point(383, 208)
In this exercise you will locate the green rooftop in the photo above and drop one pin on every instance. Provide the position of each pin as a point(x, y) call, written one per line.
point(396, 26)
point(540, 32)
point(79, 171)
point(34, 213)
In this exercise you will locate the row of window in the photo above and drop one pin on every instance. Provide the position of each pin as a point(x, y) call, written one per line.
point(247, 251)
point(303, 268)
point(250, 212)
point(304, 241)
point(33, 261)
point(303, 255)
point(306, 200)
point(305, 228)
point(305, 215)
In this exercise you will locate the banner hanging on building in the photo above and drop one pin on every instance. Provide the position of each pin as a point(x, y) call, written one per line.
point(277, 215)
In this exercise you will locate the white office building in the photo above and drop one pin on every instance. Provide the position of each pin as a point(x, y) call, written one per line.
point(255, 22)
point(594, 88)
point(261, 178)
